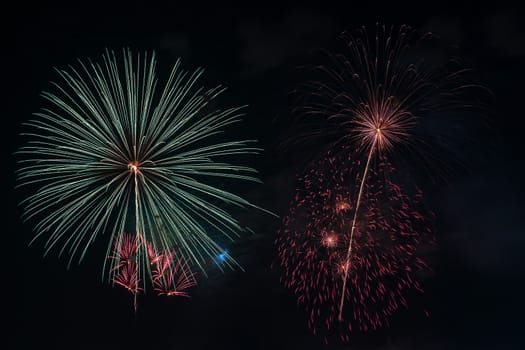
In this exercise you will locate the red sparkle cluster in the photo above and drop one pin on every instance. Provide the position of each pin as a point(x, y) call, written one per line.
point(386, 261)
point(170, 273)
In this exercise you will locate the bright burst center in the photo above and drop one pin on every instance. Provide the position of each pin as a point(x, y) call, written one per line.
point(341, 204)
point(134, 167)
point(382, 125)
point(330, 240)
point(343, 267)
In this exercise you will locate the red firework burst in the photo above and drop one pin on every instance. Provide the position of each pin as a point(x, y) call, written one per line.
point(125, 248)
point(127, 277)
point(170, 273)
point(360, 290)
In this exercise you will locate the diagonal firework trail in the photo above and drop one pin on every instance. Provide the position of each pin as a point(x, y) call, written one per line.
point(354, 220)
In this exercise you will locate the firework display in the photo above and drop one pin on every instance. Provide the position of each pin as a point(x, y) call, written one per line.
point(115, 151)
point(349, 245)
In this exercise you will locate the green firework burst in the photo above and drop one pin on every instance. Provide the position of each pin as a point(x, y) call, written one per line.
point(115, 152)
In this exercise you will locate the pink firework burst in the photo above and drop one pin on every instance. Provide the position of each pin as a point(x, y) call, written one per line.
point(357, 291)
point(125, 249)
point(127, 277)
point(169, 272)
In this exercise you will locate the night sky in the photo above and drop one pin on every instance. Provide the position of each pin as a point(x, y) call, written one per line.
point(476, 295)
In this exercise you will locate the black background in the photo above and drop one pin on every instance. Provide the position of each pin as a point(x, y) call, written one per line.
point(476, 296)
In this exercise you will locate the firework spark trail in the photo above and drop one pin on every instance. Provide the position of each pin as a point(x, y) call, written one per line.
point(354, 222)
point(134, 168)
point(113, 151)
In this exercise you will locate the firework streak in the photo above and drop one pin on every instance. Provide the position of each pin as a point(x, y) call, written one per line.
point(385, 263)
